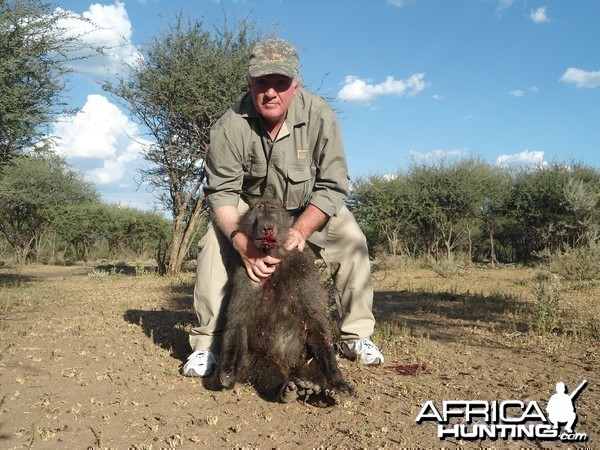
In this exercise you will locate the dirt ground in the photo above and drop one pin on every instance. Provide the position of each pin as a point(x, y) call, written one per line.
point(90, 359)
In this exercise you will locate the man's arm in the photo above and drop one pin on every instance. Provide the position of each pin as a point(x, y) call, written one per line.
point(332, 182)
point(307, 223)
point(258, 264)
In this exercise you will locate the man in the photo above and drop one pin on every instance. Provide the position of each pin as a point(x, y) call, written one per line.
point(280, 138)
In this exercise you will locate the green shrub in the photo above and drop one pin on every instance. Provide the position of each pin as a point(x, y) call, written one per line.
point(548, 311)
point(578, 264)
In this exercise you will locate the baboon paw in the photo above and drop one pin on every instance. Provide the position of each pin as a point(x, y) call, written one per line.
point(288, 392)
point(299, 389)
point(334, 394)
point(309, 392)
point(346, 389)
point(227, 379)
point(331, 397)
point(307, 388)
point(325, 398)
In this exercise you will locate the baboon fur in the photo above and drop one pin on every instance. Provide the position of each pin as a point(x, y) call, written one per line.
point(277, 333)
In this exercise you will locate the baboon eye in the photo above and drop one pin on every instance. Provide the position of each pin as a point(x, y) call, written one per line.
point(260, 206)
point(272, 206)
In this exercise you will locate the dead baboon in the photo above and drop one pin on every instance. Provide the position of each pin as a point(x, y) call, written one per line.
point(277, 334)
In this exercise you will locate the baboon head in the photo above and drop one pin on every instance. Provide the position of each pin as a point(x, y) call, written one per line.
point(267, 221)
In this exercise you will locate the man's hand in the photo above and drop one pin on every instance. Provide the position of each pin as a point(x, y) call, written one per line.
point(258, 264)
point(295, 239)
point(305, 225)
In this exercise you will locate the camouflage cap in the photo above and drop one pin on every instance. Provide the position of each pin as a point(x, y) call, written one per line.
point(273, 56)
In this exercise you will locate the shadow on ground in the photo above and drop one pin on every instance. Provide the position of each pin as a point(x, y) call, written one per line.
point(15, 279)
point(438, 315)
point(438, 312)
point(167, 329)
point(126, 269)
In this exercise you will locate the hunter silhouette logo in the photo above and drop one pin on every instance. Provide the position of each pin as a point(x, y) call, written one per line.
point(509, 419)
point(560, 407)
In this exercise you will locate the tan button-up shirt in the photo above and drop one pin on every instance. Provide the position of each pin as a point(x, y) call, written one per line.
point(305, 164)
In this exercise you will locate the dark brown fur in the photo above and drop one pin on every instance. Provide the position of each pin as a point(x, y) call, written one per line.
point(277, 333)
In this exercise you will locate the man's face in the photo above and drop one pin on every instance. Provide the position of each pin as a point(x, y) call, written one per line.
point(272, 95)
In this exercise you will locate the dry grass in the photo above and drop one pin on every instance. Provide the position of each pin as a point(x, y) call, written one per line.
point(93, 360)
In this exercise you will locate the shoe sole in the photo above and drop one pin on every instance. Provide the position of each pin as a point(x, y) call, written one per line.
point(193, 373)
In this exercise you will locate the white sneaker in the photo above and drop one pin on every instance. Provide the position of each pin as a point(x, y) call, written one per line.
point(364, 350)
point(199, 364)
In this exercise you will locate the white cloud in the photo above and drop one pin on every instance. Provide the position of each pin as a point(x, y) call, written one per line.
point(363, 91)
point(526, 158)
point(539, 15)
point(437, 97)
point(397, 3)
point(437, 155)
point(99, 131)
point(104, 26)
point(113, 170)
point(504, 5)
point(521, 92)
point(581, 78)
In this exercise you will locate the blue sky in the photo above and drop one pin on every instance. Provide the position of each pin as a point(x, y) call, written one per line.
point(514, 82)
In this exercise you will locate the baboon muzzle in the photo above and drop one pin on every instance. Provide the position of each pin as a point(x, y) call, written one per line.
point(269, 240)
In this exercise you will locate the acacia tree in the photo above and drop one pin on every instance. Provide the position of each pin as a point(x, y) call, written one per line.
point(82, 227)
point(538, 211)
point(35, 49)
point(31, 193)
point(582, 198)
point(184, 82)
point(383, 205)
point(446, 203)
point(496, 189)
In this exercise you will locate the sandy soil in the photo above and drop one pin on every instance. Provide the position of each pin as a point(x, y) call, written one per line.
point(93, 362)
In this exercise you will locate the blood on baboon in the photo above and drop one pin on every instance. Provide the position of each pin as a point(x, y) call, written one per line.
point(277, 333)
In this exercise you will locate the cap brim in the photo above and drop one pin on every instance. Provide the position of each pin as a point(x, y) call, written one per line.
point(261, 71)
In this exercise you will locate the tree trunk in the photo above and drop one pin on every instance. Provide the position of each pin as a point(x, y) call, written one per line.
point(22, 250)
point(183, 232)
point(492, 249)
point(448, 242)
point(21, 256)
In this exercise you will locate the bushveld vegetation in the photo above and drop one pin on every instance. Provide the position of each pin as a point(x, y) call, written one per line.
point(462, 212)
point(470, 212)
point(467, 212)
point(49, 215)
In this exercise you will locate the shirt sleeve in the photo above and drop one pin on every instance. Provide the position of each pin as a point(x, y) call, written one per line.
point(224, 172)
point(332, 179)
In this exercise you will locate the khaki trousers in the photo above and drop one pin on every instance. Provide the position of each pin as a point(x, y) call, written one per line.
point(345, 254)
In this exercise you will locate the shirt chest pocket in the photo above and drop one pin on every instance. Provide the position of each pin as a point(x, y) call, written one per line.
point(255, 165)
point(300, 181)
point(255, 169)
point(255, 173)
